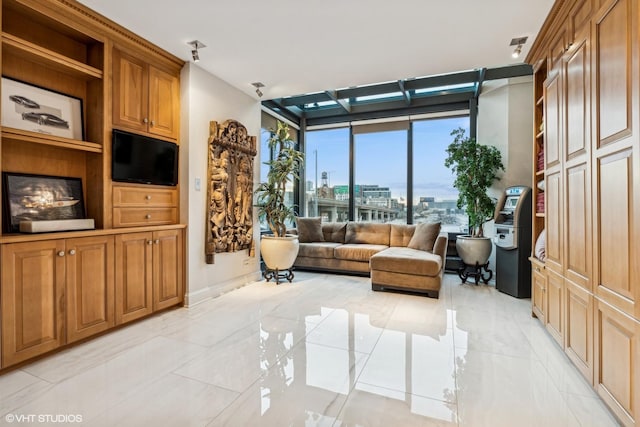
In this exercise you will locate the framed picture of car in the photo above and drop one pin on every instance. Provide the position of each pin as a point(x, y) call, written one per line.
point(28, 197)
point(32, 108)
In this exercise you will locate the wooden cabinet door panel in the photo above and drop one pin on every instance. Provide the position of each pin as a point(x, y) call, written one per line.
point(539, 292)
point(613, 214)
point(555, 306)
point(134, 275)
point(613, 33)
point(579, 328)
point(577, 225)
point(130, 92)
point(164, 113)
point(33, 286)
point(90, 286)
point(616, 360)
point(167, 268)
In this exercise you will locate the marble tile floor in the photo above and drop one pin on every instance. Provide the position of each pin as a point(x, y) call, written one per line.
point(322, 351)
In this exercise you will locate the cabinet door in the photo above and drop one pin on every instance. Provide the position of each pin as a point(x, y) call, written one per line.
point(579, 329)
point(555, 293)
point(164, 100)
point(539, 292)
point(134, 275)
point(32, 299)
point(616, 361)
point(90, 286)
point(130, 92)
point(168, 267)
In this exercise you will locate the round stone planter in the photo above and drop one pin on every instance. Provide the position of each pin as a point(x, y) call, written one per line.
point(474, 250)
point(279, 253)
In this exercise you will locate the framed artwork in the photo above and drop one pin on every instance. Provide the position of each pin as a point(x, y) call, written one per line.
point(35, 109)
point(40, 198)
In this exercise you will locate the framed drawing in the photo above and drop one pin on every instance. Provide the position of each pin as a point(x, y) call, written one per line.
point(40, 198)
point(35, 109)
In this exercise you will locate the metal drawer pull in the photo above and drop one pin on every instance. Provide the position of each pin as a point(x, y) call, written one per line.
point(148, 216)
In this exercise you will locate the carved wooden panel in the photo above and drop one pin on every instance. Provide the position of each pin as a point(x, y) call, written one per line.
point(229, 189)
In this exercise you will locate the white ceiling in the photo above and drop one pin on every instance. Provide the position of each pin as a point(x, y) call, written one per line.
point(297, 47)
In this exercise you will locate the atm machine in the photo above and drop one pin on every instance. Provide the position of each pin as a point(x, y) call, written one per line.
point(513, 242)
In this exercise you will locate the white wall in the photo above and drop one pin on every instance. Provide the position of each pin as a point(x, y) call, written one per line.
point(505, 120)
point(206, 98)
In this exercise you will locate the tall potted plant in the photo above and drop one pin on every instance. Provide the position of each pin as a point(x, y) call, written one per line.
point(279, 250)
point(476, 167)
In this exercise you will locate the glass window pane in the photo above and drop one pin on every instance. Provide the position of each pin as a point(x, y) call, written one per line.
point(327, 174)
point(434, 197)
point(381, 176)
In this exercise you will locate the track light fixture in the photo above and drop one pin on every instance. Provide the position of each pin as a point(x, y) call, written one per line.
point(196, 44)
point(517, 42)
point(517, 51)
point(258, 85)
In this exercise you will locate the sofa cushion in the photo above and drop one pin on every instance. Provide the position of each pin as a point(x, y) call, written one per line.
point(334, 231)
point(369, 233)
point(357, 252)
point(425, 236)
point(317, 249)
point(407, 260)
point(401, 234)
point(310, 230)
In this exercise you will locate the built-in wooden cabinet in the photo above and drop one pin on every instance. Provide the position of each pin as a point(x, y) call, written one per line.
point(59, 288)
point(90, 286)
point(33, 299)
point(538, 290)
point(134, 276)
point(145, 98)
point(149, 273)
point(137, 205)
point(587, 60)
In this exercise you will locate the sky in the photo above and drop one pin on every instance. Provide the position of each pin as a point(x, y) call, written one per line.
point(381, 158)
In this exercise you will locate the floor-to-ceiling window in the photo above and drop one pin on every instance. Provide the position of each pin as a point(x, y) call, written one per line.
point(327, 174)
point(380, 170)
point(266, 154)
point(434, 197)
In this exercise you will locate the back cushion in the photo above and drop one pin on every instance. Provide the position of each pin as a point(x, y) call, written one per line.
point(309, 230)
point(425, 236)
point(334, 231)
point(370, 233)
point(401, 234)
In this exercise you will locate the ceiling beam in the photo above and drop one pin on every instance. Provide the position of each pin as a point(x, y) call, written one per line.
point(285, 112)
point(305, 99)
point(382, 114)
point(481, 74)
point(508, 72)
point(341, 102)
point(356, 92)
point(405, 93)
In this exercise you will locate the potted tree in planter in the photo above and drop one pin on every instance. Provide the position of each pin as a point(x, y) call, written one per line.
point(476, 167)
point(279, 250)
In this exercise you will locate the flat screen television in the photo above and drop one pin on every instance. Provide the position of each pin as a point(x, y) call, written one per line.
point(141, 159)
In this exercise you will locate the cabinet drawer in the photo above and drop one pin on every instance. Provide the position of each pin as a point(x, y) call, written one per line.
point(131, 217)
point(138, 196)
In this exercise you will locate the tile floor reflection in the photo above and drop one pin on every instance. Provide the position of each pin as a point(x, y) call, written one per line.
point(322, 351)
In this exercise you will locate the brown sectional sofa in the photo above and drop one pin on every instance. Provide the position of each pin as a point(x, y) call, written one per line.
point(389, 253)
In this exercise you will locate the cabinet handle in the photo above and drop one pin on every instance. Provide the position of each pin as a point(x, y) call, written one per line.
point(148, 216)
point(149, 242)
point(153, 122)
point(156, 241)
point(72, 252)
point(61, 253)
point(145, 120)
point(148, 197)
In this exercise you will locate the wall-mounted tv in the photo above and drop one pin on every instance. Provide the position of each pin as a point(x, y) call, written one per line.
point(137, 158)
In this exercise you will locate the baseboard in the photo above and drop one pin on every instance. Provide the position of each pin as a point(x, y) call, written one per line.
point(201, 295)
